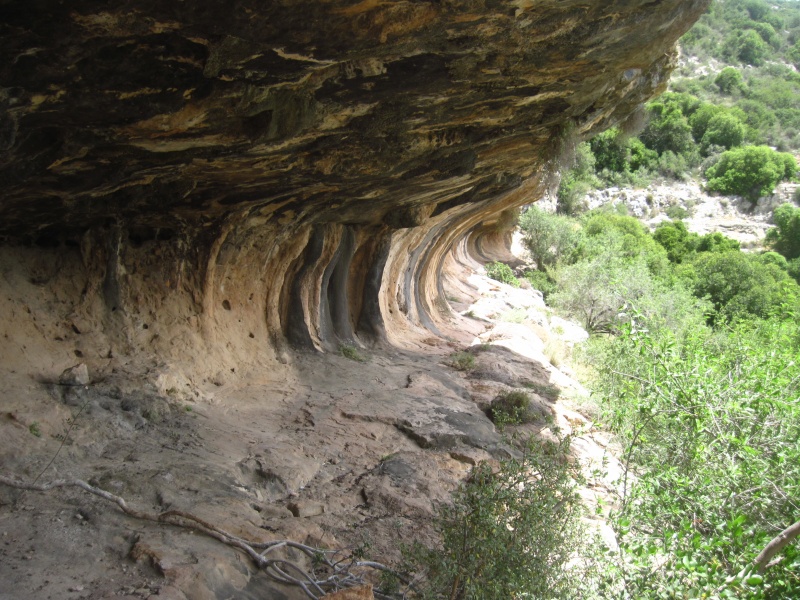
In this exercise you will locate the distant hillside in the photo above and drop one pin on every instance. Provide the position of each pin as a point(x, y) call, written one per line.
point(731, 117)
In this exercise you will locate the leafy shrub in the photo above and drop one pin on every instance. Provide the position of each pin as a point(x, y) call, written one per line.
point(512, 408)
point(679, 243)
point(549, 238)
point(626, 236)
point(677, 212)
point(716, 242)
point(545, 390)
point(773, 258)
point(603, 292)
point(750, 171)
point(668, 130)
point(462, 361)
point(739, 285)
point(725, 130)
point(702, 117)
point(730, 81)
point(711, 440)
point(785, 236)
point(541, 281)
point(509, 532)
point(577, 181)
point(749, 47)
point(501, 272)
point(351, 352)
point(609, 151)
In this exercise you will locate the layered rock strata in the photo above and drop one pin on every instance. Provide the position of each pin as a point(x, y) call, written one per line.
point(231, 180)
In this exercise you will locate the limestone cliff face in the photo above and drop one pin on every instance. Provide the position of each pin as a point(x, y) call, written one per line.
point(249, 176)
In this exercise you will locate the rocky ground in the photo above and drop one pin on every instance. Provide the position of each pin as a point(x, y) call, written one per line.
point(703, 213)
point(335, 452)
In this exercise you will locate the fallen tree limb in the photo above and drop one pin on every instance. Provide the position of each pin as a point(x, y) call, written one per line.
point(336, 567)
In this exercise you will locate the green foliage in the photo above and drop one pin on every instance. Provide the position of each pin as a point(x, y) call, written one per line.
point(748, 47)
point(676, 212)
point(34, 429)
point(549, 238)
point(724, 129)
point(624, 236)
point(601, 293)
point(716, 242)
point(751, 171)
point(578, 180)
point(701, 117)
point(740, 285)
point(676, 240)
point(545, 390)
point(462, 361)
point(541, 281)
point(668, 129)
point(785, 236)
point(709, 429)
point(501, 272)
point(511, 408)
point(773, 258)
point(730, 81)
point(509, 533)
point(351, 352)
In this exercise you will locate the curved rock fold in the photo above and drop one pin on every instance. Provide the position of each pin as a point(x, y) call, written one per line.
point(219, 182)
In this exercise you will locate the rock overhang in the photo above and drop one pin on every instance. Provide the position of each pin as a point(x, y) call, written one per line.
point(300, 171)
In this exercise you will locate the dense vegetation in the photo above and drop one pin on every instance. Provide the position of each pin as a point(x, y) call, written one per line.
point(695, 361)
point(732, 115)
point(694, 357)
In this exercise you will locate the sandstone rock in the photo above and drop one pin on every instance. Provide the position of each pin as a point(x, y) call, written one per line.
point(306, 508)
point(363, 592)
point(77, 375)
point(250, 185)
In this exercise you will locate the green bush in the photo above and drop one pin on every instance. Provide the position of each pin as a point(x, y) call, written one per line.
point(711, 443)
point(785, 236)
point(716, 242)
point(577, 181)
point(739, 285)
point(462, 361)
point(603, 292)
point(730, 81)
point(512, 532)
point(701, 117)
point(773, 258)
point(511, 408)
point(750, 48)
point(750, 171)
point(549, 238)
point(501, 272)
point(679, 243)
point(725, 130)
point(351, 352)
point(541, 281)
point(668, 130)
point(677, 212)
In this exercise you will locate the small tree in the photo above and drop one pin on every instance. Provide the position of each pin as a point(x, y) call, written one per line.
point(750, 48)
point(724, 130)
point(785, 236)
point(730, 81)
point(549, 238)
point(750, 171)
point(509, 533)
